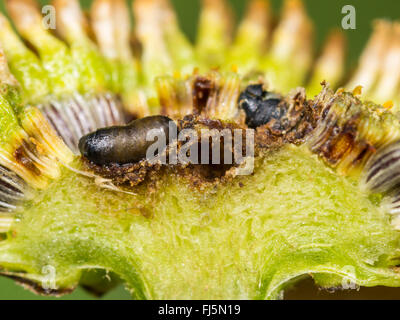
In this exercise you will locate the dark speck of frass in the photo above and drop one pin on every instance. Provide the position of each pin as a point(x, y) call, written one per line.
point(260, 106)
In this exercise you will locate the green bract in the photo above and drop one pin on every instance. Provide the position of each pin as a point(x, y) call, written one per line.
point(305, 210)
point(246, 242)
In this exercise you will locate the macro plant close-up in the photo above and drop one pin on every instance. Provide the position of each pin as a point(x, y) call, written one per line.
point(308, 188)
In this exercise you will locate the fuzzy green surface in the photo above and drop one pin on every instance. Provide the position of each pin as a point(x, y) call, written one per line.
point(294, 216)
point(91, 67)
point(31, 76)
point(8, 121)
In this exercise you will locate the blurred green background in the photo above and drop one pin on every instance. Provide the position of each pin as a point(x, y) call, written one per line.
point(326, 16)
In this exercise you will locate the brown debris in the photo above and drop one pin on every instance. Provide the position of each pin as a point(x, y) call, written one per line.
point(202, 88)
point(25, 160)
point(298, 121)
point(129, 174)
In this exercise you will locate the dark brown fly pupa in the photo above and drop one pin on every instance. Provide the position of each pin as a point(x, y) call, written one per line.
point(124, 144)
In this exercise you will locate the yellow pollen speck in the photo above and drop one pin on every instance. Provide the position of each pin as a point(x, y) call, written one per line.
point(357, 91)
point(388, 104)
point(234, 68)
point(177, 75)
point(340, 90)
point(38, 145)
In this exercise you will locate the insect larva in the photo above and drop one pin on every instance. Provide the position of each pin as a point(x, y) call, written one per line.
point(124, 144)
point(260, 106)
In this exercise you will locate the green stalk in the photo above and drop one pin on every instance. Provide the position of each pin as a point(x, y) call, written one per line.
point(289, 59)
point(88, 60)
point(111, 25)
point(214, 34)
point(252, 37)
point(179, 47)
point(330, 66)
point(24, 65)
point(155, 59)
point(54, 54)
